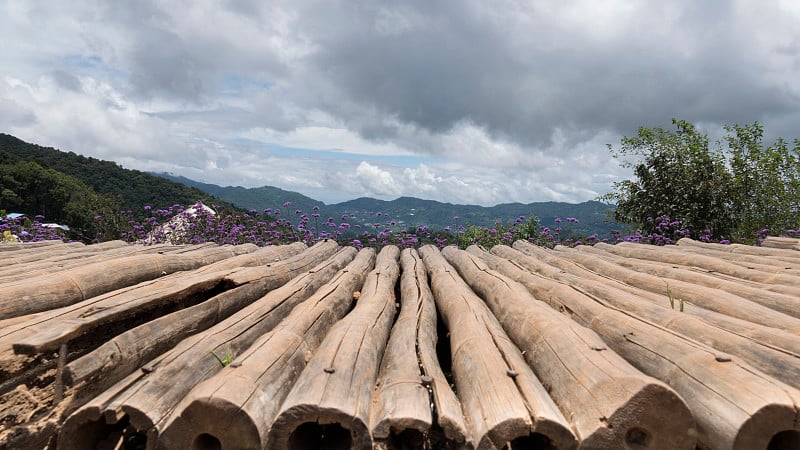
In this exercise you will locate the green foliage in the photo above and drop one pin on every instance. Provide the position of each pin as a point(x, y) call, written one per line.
point(733, 191)
point(133, 189)
point(766, 181)
point(672, 300)
point(227, 359)
point(87, 194)
point(525, 229)
point(27, 187)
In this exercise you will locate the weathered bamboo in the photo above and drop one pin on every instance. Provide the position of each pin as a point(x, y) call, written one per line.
point(504, 403)
point(128, 351)
point(735, 405)
point(264, 256)
point(44, 254)
point(674, 254)
point(171, 292)
point(693, 295)
point(781, 364)
point(329, 405)
point(27, 270)
point(785, 283)
point(609, 401)
point(16, 246)
point(781, 242)
point(411, 385)
point(762, 334)
point(784, 303)
point(46, 292)
point(236, 406)
point(90, 253)
point(726, 252)
point(146, 398)
point(769, 253)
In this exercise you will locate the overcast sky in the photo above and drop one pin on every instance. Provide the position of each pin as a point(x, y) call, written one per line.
point(478, 102)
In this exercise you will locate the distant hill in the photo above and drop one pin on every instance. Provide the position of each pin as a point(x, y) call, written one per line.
point(132, 188)
point(250, 198)
point(409, 211)
point(593, 216)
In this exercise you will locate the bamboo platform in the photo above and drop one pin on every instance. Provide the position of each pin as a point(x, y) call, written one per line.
point(118, 346)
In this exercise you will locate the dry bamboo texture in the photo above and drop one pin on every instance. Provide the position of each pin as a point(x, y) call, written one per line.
point(48, 291)
point(199, 347)
point(329, 406)
point(610, 403)
point(504, 403)
point(236, 405)
point(735, 405)
point(782, 242)
point(413, 400)
point(48, 331)
point(147, 398)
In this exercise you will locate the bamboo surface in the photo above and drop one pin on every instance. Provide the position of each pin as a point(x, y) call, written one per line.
point(203, 346)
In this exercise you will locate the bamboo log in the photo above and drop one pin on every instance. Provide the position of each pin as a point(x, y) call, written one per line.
point(411, 382)
point(265, 256)
point(784, 303)
point(128, 351)
point(236, 406)
point(708, 298)
point(163, 296)
point(770, 253)
point(786, 243)
point(145, 399)
point(505, 404)
point(610, 403)
point(72, 286)
point(781, 364)
point(785, 283)
point(15, 246)
point(735, 405)
point(729, 252)
point(329, 405)
point(27, 270)
point(685, 257)
point(26, 255)
point(764, 335)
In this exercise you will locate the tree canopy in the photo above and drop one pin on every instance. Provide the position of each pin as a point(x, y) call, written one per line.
point(735, 188)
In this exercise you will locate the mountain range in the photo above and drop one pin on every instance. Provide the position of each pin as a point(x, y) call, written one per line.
point(73, 189)
point(593, 216)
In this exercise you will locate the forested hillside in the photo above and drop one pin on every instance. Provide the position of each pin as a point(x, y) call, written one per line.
point(132, 189)
point(89, 195)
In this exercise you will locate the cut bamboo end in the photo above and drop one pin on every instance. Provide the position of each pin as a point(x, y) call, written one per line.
point(309, 427)
point(653, 418)
point(211, 424)
point(84, 429)
point(773, 427)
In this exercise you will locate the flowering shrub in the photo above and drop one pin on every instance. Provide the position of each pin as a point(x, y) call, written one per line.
point(23, 229)
point(200, 223)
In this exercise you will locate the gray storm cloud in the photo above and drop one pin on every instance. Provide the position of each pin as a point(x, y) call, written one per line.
point(515, 100)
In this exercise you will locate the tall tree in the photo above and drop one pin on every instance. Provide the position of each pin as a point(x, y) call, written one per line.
point(766, 180)
point(678, 176)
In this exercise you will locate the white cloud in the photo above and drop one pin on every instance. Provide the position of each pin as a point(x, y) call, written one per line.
point(375, 181)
